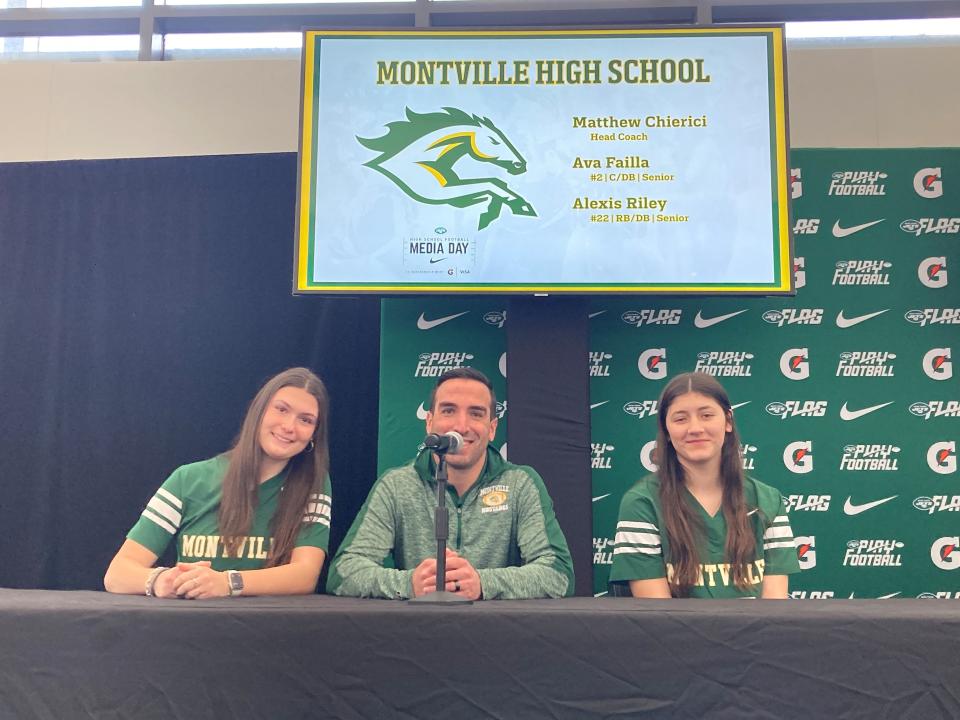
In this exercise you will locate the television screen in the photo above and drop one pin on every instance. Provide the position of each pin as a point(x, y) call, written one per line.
point(544, 161)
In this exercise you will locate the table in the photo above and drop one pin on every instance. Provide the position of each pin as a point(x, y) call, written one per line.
point(88, 654)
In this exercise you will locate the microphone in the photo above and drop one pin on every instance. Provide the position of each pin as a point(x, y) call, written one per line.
point(449, 442)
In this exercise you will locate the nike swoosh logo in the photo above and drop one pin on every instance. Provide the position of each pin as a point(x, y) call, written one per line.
point(702, 322)
point(601, 497)
point(739, 405)
point(436, 260)
point(850, 508)
point(887, 597)
point(844, 322)
point(846, 414)
point(840, 232)
point(421, 412)
point(601, 594)
point(599, 312)
point(425, 324)
point(596, 405)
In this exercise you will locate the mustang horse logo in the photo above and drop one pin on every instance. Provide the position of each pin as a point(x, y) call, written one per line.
point(419, 154)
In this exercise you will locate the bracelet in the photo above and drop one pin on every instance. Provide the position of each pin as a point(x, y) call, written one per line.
point(152, 580)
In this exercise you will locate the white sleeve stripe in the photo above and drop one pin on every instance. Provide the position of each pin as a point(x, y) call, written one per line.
point(630, 525)
point(778, 532)
point(781, 519)
point(150, 515)
point(170, 498)
point(318, 509)
point(318, 497)
point(782, 544)
point(161, 508)
point(319, 519)
point(631, 550)
point(631, 538)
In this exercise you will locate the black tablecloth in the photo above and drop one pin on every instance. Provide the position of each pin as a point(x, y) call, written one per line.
point(87, 654)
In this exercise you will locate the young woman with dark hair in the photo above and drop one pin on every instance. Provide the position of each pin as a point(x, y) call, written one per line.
point(700, 527)
point(254, 520)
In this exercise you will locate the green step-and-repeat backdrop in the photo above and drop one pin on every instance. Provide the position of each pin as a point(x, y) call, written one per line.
point(845, 395)
point(422, 338)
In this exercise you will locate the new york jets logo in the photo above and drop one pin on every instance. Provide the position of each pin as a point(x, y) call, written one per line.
point(451, 158)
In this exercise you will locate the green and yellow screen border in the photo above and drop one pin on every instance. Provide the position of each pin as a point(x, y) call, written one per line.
point(307, 165)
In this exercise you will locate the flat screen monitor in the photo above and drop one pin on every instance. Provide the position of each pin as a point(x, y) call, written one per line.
point(544, 161)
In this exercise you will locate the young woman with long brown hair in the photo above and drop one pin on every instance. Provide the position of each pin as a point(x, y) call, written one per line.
point(254, 520)
point(700, 527)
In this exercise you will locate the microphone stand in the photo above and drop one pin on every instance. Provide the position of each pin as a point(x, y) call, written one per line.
point(441, 524)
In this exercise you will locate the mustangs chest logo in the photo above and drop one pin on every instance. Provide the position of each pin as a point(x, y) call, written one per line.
point(450, 158)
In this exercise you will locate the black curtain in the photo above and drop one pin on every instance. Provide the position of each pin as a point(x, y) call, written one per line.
point(549, 393)
point(142, 303)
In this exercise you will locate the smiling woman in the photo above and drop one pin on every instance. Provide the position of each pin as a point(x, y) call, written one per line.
point(700, 527)
point(254, 520)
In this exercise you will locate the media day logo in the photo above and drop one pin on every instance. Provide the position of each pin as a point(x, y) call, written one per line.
point(935, 408)
point(866, 364)
point(933, 316)
point(807, 503)
point(797, 408)
point(937, 364)
point(944, 553)
point(857, 182)
point(600, 460)
point(646, 456)
point(862, 272)
point(806, 226)
point(798, 457)
point(796, 183)
point(652, 316)
point(873, 553)
point(928, 183)
point(652, 363)
point(795, 364)
point(799, 272)
point(794, 316)
point(937, 503)
point(437, 363)
point(932, 272)
point(747, 457)
point(599, 364)
point(641, 408)
point(724, 363)
point(496, 318)
point(942, 457)
point(454, 135)
point(870, 457)
point(806, 551)
point(931, 226)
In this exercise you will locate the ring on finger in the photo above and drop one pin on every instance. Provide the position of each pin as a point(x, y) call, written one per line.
point(456, 586)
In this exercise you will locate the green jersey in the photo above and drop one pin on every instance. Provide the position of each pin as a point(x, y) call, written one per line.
point(641, 550)
point(504, 525)
point(185, 508)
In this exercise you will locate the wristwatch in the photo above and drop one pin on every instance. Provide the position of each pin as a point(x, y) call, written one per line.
point(235, 582)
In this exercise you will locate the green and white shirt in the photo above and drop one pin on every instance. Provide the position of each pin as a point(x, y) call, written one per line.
point(504, 525)
point(641, 550)
point(185, 508)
